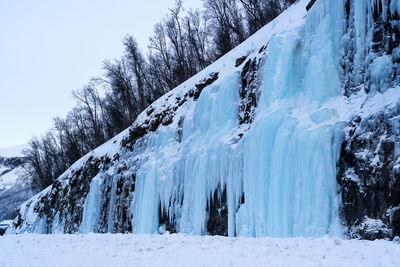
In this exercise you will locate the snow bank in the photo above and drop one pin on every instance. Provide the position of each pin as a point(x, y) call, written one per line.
point(181, 250)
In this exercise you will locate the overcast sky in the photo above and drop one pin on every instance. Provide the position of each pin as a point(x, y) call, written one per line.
point(50, 47)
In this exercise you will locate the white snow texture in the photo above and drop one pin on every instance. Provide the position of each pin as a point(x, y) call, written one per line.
point(182, 250)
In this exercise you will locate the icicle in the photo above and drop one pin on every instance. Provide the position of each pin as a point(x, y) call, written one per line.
point(395, 6)
point(91, 209)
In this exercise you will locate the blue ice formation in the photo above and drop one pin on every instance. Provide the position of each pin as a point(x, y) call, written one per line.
point(284, 165)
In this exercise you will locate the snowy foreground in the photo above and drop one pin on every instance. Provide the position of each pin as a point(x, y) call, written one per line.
point(183, 250)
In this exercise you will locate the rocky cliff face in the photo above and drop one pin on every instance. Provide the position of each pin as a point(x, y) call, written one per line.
point(367, 169)
point(293, 133)
point(369, 176)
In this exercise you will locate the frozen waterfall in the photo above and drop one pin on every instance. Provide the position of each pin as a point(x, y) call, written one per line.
point(280, 177)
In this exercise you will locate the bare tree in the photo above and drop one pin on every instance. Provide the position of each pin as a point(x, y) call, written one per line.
point(227, 26)
point(260, 12)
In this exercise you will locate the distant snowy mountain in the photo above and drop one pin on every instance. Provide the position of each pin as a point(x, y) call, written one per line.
point(295, 132)
point(10, 177)
point(13, 151)
point(14, 186)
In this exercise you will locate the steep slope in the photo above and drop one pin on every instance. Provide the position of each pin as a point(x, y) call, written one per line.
point(267, 141)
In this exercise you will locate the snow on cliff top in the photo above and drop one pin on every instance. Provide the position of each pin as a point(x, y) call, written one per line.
point(182, 250)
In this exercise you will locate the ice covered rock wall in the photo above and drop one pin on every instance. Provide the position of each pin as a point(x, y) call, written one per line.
point(371, 45)
point(258, 144)
point(367, 171)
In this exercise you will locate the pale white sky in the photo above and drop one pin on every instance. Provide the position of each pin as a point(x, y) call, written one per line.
point(50, 47)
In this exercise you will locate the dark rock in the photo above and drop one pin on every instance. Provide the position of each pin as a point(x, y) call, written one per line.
point(149, 110)
point(217, 208)
point(262, 49)
point(239, 61)
point(204, 83)
point(165, 221)
point(249, 92)
point(310, 4)
point(367, 174)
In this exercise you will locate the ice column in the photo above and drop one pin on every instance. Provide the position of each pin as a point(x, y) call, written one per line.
point(91, 210)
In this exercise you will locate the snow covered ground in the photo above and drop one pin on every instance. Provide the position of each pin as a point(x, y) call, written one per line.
point(183, 250)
